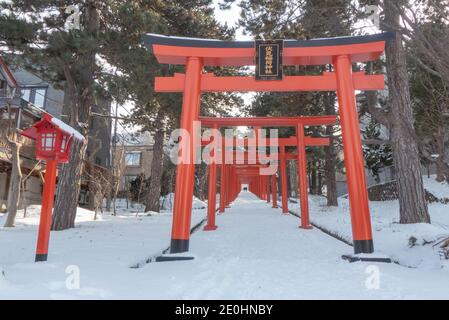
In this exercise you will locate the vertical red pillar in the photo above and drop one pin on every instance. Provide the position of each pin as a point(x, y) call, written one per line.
point(222, 180)
point(185, 172)
point(231, 185)
point(302, 177)
point(235, 185)
point(212, 191)
point(267, 188)
point(264, 188)
point(256, 187)
point(283, 174)
point(354, 162)
point(228, 185)
point(274, 191)
point(48, 196)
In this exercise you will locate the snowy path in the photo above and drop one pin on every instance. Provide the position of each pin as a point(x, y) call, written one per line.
point(256, 253)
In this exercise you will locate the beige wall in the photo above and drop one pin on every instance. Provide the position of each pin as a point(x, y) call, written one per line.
point(33, 191)
point(32, 194)
point(145, 162)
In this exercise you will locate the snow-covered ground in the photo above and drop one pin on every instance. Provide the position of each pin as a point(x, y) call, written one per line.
point(438, 189)
point(103, 250)
point(256, 253)
point(389, 236)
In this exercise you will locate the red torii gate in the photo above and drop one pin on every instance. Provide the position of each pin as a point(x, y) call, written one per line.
point(300, 141)
point(341, 52)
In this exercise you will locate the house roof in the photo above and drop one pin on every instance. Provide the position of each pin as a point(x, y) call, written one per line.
point(7, 74)
point(137, 139)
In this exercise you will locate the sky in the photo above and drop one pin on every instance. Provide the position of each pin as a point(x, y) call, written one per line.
point(230, 17)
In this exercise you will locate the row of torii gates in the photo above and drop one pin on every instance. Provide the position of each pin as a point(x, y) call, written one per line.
point(196, 54)
point(244, 167)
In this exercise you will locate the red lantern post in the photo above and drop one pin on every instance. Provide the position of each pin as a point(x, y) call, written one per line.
point(53, 142)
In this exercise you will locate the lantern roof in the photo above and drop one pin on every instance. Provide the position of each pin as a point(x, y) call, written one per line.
point(48, 119)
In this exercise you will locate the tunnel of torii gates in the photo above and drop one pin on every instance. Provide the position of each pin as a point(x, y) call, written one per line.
point(246, 166)
point(341, 52)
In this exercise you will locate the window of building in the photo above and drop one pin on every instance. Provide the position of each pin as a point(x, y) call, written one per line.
point(26, 94)
point(39, 97)
point(34, 95)
point(132, 159)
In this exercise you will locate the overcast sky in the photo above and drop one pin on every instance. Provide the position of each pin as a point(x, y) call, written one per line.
point(230, 17)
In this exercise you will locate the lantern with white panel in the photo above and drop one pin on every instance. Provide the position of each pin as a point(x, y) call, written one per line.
point(53, 139)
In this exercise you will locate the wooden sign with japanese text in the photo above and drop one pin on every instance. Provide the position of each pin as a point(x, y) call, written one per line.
point(269, 59)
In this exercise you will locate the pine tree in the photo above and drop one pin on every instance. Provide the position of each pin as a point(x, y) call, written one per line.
point(103, 57)
point(34, 31)
point(377, 155)
point(412, 202)
point(430, 100)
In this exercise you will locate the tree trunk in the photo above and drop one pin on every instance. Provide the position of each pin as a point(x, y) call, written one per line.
point(442, 169)
point(441, 165)
point(330, 154)
point(108, 200)
point(412, 202)
point(157, 165)
point(205, 183)
point(14, 184)
point(312, 180)
point(67, 193)
point(80, 82)
point(118, 168)
point(287, 173)
point(293, 178)
point(320, 184)
point(93, 194)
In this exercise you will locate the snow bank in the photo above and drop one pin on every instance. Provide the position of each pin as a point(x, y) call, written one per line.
point(126, 207)
point(33, 213)
point(2, 279)
point(438, 189)
point(256, 253)
point(167, 202)
point(102, 249)
point(410, 245)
